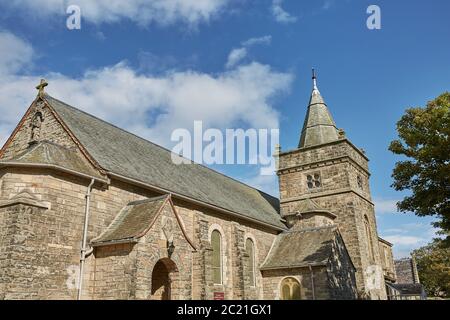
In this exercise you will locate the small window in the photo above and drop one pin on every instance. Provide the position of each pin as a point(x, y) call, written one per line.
point(250, 247)
point(313, 181)
point(290, 289)
point(216, 244)
point(360, 182)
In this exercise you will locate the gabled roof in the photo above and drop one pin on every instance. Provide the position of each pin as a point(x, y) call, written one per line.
point(132, 221)
point(301, 248)
point(319, 126)
point(135, 220)
point(49, 153)
point(122, 153)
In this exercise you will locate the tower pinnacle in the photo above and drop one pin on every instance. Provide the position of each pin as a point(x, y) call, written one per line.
point(314, 78)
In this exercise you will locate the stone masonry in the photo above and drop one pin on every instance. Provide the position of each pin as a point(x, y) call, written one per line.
point(50, 180)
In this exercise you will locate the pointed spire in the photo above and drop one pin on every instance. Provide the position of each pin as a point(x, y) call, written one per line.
point(319, 126)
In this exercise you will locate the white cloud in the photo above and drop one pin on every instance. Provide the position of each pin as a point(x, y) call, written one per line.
point(280, 14)
point(238, 54)
point(385, 205)
point(402, 240)
point(143, 12)
point(407, 237)
point(119, 94)
point(16, 53)
point(260, 40)
point(235, 56)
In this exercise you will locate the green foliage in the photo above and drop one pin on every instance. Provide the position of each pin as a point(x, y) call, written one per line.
point(424, 141)
point(433, 266)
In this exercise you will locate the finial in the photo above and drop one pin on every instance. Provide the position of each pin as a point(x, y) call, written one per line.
point(314, 77)
point(40, 87)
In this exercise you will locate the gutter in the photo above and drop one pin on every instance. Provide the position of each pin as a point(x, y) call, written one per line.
point(108, 243)
point(191, 200)
point(84, 250)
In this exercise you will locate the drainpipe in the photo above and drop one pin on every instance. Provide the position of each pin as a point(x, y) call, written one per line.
point(84, 250)
point(312, 283)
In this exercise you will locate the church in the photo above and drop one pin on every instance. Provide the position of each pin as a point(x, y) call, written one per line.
point(91, 211)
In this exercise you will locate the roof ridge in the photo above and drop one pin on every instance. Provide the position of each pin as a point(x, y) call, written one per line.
point(157, 145)
point(138, 202)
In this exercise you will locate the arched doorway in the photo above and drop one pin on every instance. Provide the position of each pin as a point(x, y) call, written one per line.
point(162, 279)
point(290, 289)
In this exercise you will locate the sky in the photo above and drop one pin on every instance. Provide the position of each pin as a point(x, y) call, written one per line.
point(151, 67)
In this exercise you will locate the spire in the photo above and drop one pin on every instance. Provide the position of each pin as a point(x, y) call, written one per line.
point(319, 126)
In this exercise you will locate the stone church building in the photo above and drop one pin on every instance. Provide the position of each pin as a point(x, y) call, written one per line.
point(90, 211)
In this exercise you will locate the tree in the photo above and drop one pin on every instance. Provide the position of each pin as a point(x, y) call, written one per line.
point(433, 266)
point(424, 140)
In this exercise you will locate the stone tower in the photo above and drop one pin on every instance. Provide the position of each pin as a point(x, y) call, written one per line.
point(328, 169)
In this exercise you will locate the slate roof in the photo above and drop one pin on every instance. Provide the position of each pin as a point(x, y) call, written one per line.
point(408, 288)
point(132, 222)
point(406, 271)
point(49, 153)
point(301, 248)
point(310, 206)
point(319, 126)
point(126, 154)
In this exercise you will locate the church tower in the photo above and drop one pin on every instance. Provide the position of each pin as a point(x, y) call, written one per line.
point(328, 169)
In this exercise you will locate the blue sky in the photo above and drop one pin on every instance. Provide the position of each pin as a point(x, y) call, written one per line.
point(152, 66)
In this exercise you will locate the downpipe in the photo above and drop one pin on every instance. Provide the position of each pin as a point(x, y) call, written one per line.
point(312, 283)
point(84, 250)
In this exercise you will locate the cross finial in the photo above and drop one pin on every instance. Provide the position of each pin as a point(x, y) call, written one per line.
point(40, 87)
point(314, 78)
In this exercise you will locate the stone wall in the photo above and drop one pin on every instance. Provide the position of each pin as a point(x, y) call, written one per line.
point(387, 260)
point(59, 231)
point(318, 275)
point(235, 271)
point(42, 246)
point(339, 165)
point(124, 271)
point(50, 130)
point(341, 273)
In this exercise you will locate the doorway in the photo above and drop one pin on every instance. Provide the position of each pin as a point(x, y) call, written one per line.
point(162, 279)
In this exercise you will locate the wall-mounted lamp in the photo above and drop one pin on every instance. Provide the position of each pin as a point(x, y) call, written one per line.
point(170, 248)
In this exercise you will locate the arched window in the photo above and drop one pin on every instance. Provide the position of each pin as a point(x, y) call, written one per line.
point(369, 237)
point(250, 247)
point(290, 289)
point(216, 244)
